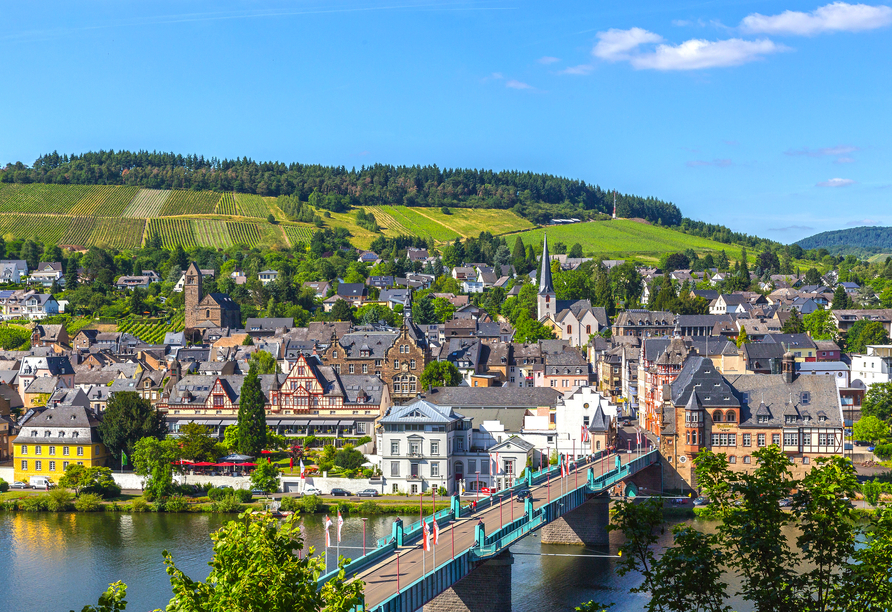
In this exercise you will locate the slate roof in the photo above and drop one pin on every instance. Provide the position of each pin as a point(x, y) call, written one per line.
point(781, 399)
point(505, 397)
point(377, 343)
point(420, 411)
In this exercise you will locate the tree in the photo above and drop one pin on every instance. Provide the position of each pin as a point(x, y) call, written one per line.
point(349, 458)
point(196, 443)
point(127, 419)
point(443, 309)
point(742, 337)
point(79, 477)
point(153, 459)
point(864, 333)
point(137, 300)
point(341, 311)
point(841, 299)
point(255, 567)
point(870, 429)
point(575, 251)
point(813, 277)
point(264, 362)
point(230, 438)
point(528, 329)
point(793, 324)
point(424, 312)
point(440, 374)
point(248, 341)
point(71, 280)
point(266, 476)
point(251, 415)
point(820, 325)
point(878, 401)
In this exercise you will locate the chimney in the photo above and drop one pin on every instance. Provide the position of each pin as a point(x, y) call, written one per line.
point(788, 367)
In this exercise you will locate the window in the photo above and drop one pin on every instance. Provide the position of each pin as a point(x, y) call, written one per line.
point(394, 447)
point(415, 448)
point(396, 364)
point(806, 396)
point(763, 418)
point(65, 450)
point(435, 447)
point(791, 439)
point(732, 459)
point(80, 451)
point(747, 459)
point(435, 469)
point(64, 465)
point(37, 450)
point(730, 417)
point(218, 401)
point(412, 364)
point(472, 465)
point(585, 421)
point(52, 450)
point(775, 439)
point(806, 461)
point(365, 368)
point(569, 329)
point(24, 465)
point(459, 444)
point(588, 329)
point(351, 368)
point(52, 466)
point(747, 439)
point(825, 439)
point(394, 469)
point(554, 383)
point(38, 466)
point(24, 449)
point(717, 416)
point(760, 439)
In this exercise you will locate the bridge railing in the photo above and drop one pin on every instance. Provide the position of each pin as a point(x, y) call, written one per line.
point(508, 538)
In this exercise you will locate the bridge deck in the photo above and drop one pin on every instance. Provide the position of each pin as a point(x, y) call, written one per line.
point(382, 580)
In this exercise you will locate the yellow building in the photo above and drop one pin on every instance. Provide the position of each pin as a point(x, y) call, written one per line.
point(65, 432)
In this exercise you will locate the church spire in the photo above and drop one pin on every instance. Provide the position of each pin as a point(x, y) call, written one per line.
point(545, 284)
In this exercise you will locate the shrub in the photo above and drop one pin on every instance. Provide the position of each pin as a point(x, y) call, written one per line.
point(59, 500)
point(230, 503)
point(290, 504)
point(88, 502)
point(344, 507)
point(883, 450)
point(176, 504)
point(326, 466)
point(243, 495)
point(309, 504)
point(217, 494)
point(369, 507)
point(871, 491)
point(139, 505)
point(34, 503)
point(105, 491)
point(4, 486)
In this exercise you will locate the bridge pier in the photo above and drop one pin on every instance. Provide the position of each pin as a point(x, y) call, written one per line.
point(486, 589)
point(586, 525)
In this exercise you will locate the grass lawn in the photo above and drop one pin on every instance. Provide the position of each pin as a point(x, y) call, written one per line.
point(471, 221)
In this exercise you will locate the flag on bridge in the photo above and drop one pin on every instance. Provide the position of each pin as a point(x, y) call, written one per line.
point(496, 470)
point(427, 535)
point(585, 435)
point(327, 534)
point(340, 524)
point(436, 533)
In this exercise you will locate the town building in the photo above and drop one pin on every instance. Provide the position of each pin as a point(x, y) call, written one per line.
point(211, 310)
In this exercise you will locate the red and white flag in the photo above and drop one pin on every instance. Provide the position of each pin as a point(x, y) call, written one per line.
point(563, 466)
point(427, 535)
point(436, 533)
point(585, 436)
point(496, 470)
point(327, 534)
point(303, 474)
point(340, 524)
point(637, 436)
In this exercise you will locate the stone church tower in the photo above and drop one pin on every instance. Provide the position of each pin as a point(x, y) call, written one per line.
point(192, 295)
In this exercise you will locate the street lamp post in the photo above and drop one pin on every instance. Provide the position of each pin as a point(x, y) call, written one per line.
point(478, 485)
point(364, 520)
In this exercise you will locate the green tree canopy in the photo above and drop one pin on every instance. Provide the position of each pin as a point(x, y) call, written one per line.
point(196, 442)
point(878, 401)
point(820, 325)
point(153, 459)
point(870, 429)
point(440, 374)
point(266, 476)
point(264, 362)
point(864, 333)
point(129, 418)
point(793, 324)
point(251, 415)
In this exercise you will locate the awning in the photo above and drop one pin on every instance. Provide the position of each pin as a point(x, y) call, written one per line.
point(300, 423)
point(273, 423)
point(211, 423)
point(347, 423)
point(228, 422)
point(329, 423)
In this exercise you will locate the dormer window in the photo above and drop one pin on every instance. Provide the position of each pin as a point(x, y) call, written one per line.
point(821, 419)
point(762, 418)
point(805, 397)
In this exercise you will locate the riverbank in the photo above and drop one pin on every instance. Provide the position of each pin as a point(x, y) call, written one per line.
point(39, 501)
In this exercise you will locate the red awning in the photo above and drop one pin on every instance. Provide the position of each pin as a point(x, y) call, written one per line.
point(203, 464)
point(225, 464)
point(246, 464)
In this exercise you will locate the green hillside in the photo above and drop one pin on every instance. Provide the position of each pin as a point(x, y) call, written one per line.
point(625, 239)
point(860, 241)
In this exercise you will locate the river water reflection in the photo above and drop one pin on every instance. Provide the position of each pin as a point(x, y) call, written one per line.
point(59, 562)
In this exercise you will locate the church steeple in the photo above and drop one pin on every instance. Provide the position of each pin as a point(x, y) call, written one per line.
point(545, 285)
point(546, 302)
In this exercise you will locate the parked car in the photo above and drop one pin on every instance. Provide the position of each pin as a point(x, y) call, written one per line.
point(341, 493)
point(368, 493)
point(785, 502)
point(522, 494)
point(258, 492)
point(311, 490)
point(701, 501)
point(40, 482)
point(18, 484)
point(680, 501)
point(223, 487)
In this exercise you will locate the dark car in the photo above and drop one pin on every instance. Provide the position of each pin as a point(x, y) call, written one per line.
point(785, 502)
point(258, 492)
point(341, 493)
point(368, 493)
point(522, 494)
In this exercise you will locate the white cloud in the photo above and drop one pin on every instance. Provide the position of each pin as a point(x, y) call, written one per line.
point(835, 17)
point(832, 151)
point(513, 84)
point(580, 69)
point(548, 60)
point(844, 160)
point(681, 23)
point(616, 44)
point(698, 54)
point(836, 182)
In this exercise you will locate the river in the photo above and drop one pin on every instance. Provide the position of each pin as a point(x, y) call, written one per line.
point(60, 562)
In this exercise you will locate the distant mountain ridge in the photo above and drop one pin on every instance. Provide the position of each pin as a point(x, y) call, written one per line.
point(856, 241)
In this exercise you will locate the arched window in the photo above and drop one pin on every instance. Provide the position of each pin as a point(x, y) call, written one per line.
point(717, 416)
point(569, 329)
point(208, 314)
point(547, 299)
point(689, 437)
point(730, 417)
point(588, 329)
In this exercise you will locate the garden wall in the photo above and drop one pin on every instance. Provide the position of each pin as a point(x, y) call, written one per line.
point(291, 484)
point(129, 480)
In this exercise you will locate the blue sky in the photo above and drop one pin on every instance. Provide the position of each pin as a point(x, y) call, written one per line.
point(770, 117)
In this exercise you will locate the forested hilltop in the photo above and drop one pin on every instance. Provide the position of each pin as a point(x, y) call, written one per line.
point(537, 197)
point(858, 241)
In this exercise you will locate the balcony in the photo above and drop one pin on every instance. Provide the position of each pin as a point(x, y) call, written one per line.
point(415, 455)
point(414, 477)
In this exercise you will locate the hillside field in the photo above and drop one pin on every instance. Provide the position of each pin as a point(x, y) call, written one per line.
point(625, 239)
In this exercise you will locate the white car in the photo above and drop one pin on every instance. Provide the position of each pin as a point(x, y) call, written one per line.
point(311, 490)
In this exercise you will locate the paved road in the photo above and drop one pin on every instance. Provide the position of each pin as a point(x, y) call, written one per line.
point(382, 580)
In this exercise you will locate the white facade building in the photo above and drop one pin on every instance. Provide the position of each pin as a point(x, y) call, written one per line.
point(874, 367)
